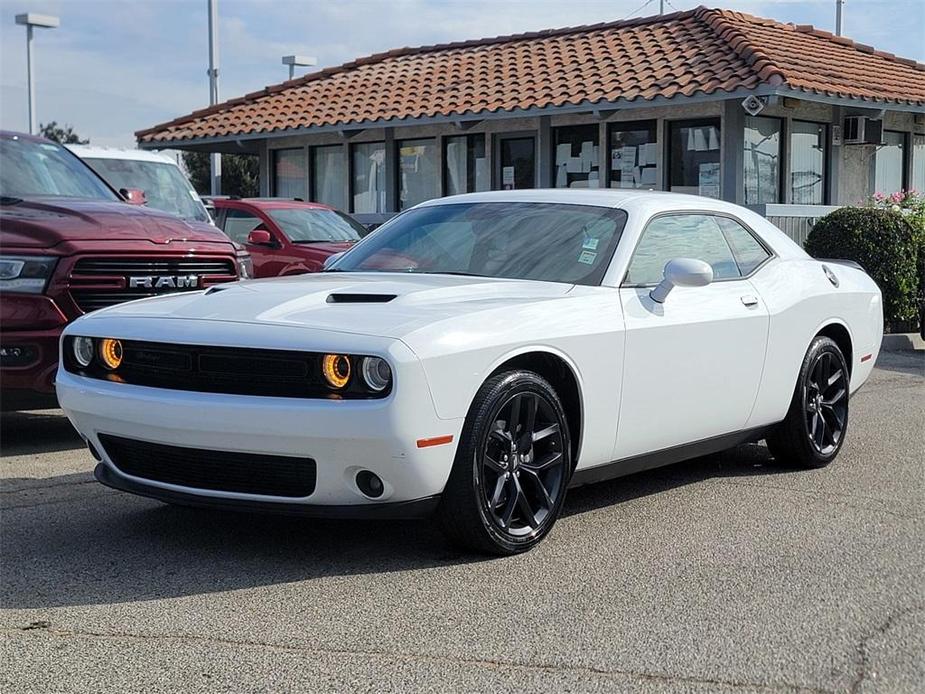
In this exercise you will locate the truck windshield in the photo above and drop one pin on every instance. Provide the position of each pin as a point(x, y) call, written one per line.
point(30, 168)
point(164, 185)
point(549, 242)
point(314, 225)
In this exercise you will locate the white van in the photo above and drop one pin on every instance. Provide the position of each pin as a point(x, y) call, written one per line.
point(160, 177)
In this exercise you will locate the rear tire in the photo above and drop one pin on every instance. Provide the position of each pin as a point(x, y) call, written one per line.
point(512, 467)
point(814, 430)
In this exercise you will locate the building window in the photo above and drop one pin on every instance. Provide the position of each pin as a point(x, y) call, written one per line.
point(577, 157)
point(633, 155)
point(466, 166)
point(417, 172)
point(289, 174)
point(807, 163)
point(762, 160)
point(918, 163)
point(889, 163)
point(518, 163)
point(368, 184)
point(694, 157)
point(329, 176)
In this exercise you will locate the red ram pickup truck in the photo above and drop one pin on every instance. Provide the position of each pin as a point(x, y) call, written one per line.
point(70, 244)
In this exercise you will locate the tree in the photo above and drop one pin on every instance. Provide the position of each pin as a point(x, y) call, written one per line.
point(239, 173)
point(63, 134)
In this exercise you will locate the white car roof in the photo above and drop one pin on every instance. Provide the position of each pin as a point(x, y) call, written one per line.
point(94, 152)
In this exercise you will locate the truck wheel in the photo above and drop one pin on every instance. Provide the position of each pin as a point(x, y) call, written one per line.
point(512, 467)
point(814, 430)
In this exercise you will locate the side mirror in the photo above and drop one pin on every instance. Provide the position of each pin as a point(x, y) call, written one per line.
point(260, 237)
point(133, 196)
point(682, 272)
point(330, 260)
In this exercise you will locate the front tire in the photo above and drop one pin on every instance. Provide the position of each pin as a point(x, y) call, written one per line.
point(512, 467)
point(814, 430)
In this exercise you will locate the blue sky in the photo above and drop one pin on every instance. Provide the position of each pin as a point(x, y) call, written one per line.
point(116, 66)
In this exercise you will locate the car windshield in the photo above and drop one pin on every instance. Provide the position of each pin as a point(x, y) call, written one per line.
point(315, 224)
point(164, 185)
point(516, 240)
point(30, 168)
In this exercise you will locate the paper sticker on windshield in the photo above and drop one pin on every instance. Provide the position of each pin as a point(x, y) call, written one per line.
point(590, 244)
point(587, 257)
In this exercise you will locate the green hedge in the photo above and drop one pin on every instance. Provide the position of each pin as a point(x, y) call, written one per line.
point(884, 242)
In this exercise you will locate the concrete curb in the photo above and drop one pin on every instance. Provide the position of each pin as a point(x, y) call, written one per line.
point(902, 342)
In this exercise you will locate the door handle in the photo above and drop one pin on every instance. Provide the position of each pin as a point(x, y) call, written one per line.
point(750, 300)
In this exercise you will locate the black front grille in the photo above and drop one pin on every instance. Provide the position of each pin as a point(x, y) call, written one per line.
point(221, 471)
point(100, 282)
point(232, 370)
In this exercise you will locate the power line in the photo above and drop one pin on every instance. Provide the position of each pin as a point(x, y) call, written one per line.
point(638, 9)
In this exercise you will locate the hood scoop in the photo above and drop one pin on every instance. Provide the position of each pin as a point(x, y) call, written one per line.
point(354, 298)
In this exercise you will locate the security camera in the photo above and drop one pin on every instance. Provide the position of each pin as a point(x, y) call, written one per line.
point(753, 105)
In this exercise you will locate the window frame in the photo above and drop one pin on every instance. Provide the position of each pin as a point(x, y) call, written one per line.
point(497, 174)
point(437, 144)
point(554, 143)
point(905, 163)
point(826, 161)
point(670, 125)
point(444, 172)
point(702, 213)
point(351, 179)
point(650, 125)
point(274, 153)
point(313, 177)
point(782, 151)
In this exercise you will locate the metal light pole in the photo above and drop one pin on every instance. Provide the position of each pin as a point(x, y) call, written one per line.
point(300, 60)
point(838, 11)
point(30, 20)
point(216, 159)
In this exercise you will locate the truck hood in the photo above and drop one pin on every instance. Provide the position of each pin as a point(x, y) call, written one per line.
point(376, 303)
point(44, 223)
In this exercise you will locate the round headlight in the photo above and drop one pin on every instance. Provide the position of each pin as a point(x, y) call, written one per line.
point(376, 373)
point(83, 350)
point(336, 369)
point(111, 353)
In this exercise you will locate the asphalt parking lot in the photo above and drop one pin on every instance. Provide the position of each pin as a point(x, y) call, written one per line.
point(727, 573)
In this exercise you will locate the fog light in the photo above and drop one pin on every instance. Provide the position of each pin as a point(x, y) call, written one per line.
point(336, 369)
point(20, 355)
point(83, 350)
point(370, 484)
point(111, 353)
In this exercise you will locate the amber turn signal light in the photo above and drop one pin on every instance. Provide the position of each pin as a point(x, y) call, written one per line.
point(111, 353)
point(336, 369)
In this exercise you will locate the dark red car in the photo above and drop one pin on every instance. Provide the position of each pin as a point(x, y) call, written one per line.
point(70, 244)
point(286, 237)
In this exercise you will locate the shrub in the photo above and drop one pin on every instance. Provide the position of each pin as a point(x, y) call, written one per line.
point(884, 242)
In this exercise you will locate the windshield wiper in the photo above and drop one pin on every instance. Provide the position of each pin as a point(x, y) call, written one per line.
point(9, 200)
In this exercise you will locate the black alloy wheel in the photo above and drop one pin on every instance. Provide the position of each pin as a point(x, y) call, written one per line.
point(512, 467)
point(523, 464)
point(814, 430)
point(825, 403)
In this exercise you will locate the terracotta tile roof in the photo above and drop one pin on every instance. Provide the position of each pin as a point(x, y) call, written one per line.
point(700, 51)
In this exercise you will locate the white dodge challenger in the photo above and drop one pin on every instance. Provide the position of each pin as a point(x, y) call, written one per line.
point(476, 356)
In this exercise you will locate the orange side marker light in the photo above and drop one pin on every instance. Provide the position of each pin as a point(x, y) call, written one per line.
point(436, 441)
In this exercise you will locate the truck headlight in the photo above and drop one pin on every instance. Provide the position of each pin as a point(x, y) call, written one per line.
point(25, 274)
point(245, 265)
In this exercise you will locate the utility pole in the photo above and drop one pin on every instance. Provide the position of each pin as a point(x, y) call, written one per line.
point(30, 20)
point(661, 6)
point(216, 159)
point(838, 12)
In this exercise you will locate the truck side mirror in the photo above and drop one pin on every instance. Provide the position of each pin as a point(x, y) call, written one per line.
point(259, 237)
point(134, 196)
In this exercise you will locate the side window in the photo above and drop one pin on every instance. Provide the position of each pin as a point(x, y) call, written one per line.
point(239, 223)
point(681, 236)
point(749, 254)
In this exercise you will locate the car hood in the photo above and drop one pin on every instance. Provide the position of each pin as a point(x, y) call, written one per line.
point(381, 304)
point(39, 223)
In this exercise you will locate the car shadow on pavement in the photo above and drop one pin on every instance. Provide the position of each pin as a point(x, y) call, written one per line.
point(40, 431)
point(69, 541)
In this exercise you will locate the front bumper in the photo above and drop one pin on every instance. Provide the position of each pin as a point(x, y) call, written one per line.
point(30, 326)
point(342, 437)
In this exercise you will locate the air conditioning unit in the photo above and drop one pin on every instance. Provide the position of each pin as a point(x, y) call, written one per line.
point(861, 130)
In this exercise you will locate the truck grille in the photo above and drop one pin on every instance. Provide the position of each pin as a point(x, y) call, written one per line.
point(100, 282)
point(221, 471)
